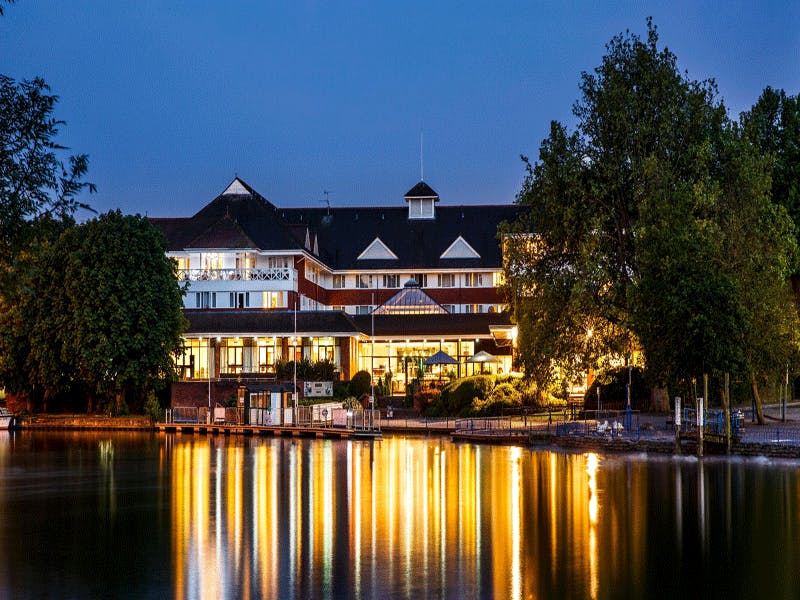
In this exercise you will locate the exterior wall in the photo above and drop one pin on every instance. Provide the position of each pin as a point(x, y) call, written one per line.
point(195, 393)
point(349, 358)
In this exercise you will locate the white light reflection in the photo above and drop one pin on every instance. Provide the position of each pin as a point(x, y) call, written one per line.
point(591, 470)
point(408, 508)
point(516, 522)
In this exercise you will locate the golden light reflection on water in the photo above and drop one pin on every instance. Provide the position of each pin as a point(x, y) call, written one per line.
point(217, 517)
point(280, 517)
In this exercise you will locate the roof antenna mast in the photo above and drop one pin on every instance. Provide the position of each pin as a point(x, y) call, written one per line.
point(327, 200)
point(421, 163)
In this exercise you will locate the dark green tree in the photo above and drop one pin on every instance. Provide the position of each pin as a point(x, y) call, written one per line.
point(773, 125)
point(34, 180)
point(107, 310)
point(648, 229)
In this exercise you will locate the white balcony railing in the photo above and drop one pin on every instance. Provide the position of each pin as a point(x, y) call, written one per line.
point(270, 274)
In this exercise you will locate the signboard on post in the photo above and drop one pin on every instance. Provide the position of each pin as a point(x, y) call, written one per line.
point(677, 412)
point(318, 389)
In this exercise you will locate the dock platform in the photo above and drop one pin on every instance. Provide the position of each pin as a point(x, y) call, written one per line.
point(264, 430)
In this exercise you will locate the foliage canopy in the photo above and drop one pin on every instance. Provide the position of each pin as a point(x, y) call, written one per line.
point(651, 237)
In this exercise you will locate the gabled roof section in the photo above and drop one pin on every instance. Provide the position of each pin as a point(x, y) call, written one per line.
point(225, 233)
point(344, 233)
point(237, 188)
point(377, 250)
point(421, 190)
point(411, 300)
point(460, 248)
point(239, 218)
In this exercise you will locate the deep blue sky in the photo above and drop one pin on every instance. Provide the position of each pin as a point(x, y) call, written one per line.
point(171, 99)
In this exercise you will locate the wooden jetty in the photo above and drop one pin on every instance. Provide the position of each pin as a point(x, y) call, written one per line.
point(266, 430)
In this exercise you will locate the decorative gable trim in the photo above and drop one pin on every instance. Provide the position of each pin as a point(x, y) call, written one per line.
point(236, 188)
point(377, 250)
point(460, 249)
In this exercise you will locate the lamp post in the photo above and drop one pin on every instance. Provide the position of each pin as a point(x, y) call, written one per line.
point(628, 401)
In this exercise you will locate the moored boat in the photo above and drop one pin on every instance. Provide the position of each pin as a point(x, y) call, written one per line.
point(5, 418)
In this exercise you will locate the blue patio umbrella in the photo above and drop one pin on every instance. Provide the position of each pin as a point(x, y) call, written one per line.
point(441, 358)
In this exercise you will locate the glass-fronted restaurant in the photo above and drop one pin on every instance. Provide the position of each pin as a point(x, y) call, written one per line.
point(396, 349)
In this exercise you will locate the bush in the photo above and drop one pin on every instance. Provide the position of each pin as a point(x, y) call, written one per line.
point(340, 390)
point(351, 403)
point(360, 384)
point(152, 408)
point(425, 399)
point(535, 397)
point(502, 397)
point(457, 398)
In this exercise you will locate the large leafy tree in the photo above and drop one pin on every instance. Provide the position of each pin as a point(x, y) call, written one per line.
point(651, 228)
point(40, 189)
point(773, 125)
point(107, 307)
point(35, 181)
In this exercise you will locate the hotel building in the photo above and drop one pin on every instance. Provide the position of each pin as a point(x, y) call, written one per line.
point(373, 288)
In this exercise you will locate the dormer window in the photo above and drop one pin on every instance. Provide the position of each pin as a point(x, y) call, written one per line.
point(422, 201)
point(420, 208)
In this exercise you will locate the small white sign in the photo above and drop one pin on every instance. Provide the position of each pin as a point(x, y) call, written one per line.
point(700, 412)
point(677, 412)
point(318, 389)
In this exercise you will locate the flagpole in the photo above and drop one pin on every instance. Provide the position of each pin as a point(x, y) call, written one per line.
point(294, 362)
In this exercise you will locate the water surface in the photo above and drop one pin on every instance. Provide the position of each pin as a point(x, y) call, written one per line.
point(151, 516)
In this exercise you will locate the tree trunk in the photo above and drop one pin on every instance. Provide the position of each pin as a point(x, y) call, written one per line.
point(659, 400)
point(756, 398)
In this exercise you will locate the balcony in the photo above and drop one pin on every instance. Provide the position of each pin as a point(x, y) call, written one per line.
point(269, 274)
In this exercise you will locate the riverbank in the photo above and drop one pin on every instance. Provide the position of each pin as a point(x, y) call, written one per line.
point(772, 440)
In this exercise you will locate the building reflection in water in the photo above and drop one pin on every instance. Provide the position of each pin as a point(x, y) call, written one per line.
point(277, 518)
point(413, 517)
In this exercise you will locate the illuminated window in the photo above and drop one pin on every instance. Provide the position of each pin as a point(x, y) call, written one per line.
point(274, 300)
point(339, 281)
point(391, 281)
point(447, 280)
point(205, 299)
point(364, 281)
point(211, 261)
point(235, 359)
point(473, 279)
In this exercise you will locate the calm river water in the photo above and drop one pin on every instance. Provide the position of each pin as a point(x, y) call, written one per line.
point(85, 515)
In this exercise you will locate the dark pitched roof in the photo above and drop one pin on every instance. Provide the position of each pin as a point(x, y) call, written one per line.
point(268, 323)
point(224, 233)
point(422, 190)
point(230, 220)
point(344, 233)
point(239, 220)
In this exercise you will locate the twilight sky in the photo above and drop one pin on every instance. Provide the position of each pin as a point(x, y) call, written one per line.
point(170, 99)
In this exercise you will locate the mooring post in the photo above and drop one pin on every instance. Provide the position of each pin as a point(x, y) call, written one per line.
point(700, 425)
point(677, 424)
